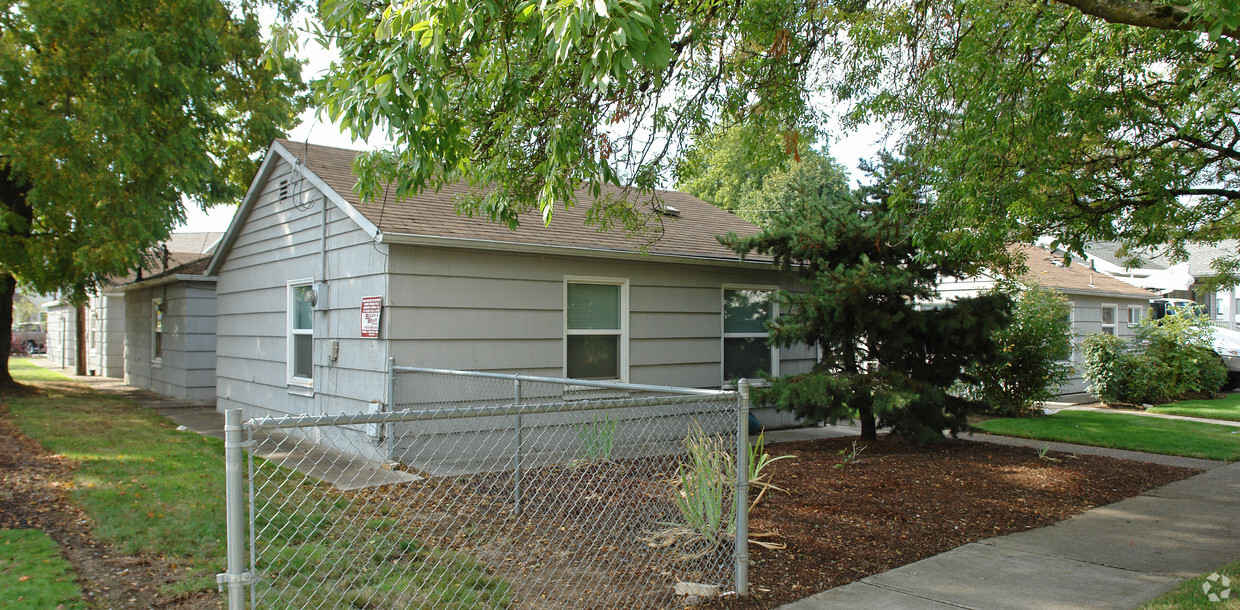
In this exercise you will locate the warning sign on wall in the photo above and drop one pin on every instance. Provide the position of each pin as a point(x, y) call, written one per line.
point(372, 309)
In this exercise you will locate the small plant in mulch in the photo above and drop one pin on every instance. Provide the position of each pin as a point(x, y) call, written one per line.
point(703, 490)
point(850, 456)
point(598, 438)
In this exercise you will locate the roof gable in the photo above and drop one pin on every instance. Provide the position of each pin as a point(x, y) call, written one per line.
point(433, 214)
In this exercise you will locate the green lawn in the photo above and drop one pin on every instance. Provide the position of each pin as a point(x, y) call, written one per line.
point(1227, 408)
point(1191, 595)
point(33, 574)
point(148, 487)
point(1121, 431)
point(152, 489)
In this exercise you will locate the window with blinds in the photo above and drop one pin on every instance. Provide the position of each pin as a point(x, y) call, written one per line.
point(594, 342)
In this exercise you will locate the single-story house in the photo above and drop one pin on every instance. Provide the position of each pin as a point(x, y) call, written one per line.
point(1099, 302)
point(456, 292)
point(1157, 271)
point(170, 332)
point(105, 315)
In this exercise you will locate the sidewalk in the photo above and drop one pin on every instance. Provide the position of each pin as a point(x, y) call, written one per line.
point(1116, 556)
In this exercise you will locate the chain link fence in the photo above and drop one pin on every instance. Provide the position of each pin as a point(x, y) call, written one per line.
point(482, 490)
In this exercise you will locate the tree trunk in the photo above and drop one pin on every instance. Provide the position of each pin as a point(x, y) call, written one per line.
point(79, 351)
point(13, 191)
point(8, 288)
point(869, 432)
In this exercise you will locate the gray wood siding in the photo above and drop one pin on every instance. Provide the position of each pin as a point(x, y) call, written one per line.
point(62, 336)
point(505, 312)
point(280, 242)
point(186, 369)
point(105, 335)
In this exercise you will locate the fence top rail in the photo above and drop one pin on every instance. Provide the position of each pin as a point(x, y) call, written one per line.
point(349, 419)
point(617, 385)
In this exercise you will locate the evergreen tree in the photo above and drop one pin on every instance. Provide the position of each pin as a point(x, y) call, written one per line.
point(884, 360)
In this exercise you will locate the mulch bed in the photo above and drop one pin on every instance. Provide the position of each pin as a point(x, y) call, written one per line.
point(899, 502)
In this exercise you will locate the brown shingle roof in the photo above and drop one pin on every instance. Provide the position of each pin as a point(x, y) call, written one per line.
point(433, 214)
point(1047, 269)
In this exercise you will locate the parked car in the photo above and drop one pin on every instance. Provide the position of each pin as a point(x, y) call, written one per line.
point(1226, 341)
point(29, 338)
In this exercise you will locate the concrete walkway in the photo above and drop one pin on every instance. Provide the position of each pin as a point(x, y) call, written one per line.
point(1116, 556)
point(1204, 420)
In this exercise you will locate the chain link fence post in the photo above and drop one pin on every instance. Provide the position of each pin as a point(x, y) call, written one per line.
point(389, 430)
point(742, 491)
point(236, 578)
point(516, 456)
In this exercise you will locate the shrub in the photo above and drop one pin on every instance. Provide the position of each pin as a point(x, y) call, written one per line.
point(1032, 348)
point(1106, 360)
point(1170, 359)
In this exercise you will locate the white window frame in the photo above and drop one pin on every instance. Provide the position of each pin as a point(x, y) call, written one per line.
point(623, 332)
point(1114, 325)
point(157, 332)
point(1140, 314)
point(293, 380)
point(1072, 332)
point(724, 336)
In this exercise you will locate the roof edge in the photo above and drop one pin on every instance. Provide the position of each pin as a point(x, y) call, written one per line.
point(243, 211)
point(525, 248)
point(168, 279)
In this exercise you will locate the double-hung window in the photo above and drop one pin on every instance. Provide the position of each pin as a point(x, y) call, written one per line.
point(157, 330)
point(301, 332)
point(1134, 315)
point(596, 328)
point(745, 351)
point(1109, 314)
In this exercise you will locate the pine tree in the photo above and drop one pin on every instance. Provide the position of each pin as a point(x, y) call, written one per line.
point(884, 360)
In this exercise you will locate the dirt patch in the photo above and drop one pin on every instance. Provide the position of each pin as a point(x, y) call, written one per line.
point(33, 494)
point(898, 503)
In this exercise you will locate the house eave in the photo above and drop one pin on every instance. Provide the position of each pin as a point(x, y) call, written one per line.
point(1103, 293)
point(436, 241)
point(168, 279)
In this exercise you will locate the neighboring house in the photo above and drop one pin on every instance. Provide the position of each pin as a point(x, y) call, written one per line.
point(105, 311)
point(464, 293)
point(170, 332)
point(1099, 303)
point(1184, 279)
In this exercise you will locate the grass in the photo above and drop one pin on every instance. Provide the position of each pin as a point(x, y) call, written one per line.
point(1190, 594)
point(1227, 408)
point(33, 574)
point(148, 487)
point(1121, 431)
point(151, 489)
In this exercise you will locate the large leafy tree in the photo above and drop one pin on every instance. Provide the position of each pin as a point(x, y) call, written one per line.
point(1112, 119)
point(110, 114)
point(884, 360)
point(748, 173)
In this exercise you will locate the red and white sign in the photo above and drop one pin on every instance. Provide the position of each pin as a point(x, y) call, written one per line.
point(372, 309)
